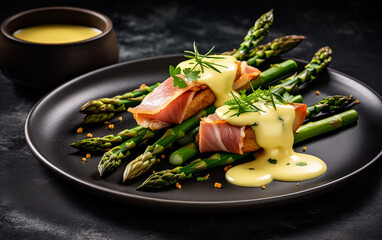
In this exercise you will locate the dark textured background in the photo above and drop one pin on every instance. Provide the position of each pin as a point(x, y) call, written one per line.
point(35, 204)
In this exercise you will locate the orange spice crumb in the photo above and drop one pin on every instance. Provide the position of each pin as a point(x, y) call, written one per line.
point(84, 159)
point(120, 118)
point(80, 130)
point(207, 176)
point(218, 185)
point(262, 186)
point(162, 156)
point(143, 85)
point(153, 171)
point(111, 126)
point(318, 92)
point(356, 101)
point(351, 96)
point(158, 159)
point(304, 148)
point(106, 122)
point(227, 167)
point(298, 184)
point(88, 155)
point(89, 135)
point(177, 185)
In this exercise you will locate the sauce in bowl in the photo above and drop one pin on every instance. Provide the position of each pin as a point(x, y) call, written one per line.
point(56, 33)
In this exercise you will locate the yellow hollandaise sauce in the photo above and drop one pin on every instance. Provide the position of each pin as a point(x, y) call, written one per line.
point(277, 160)
point(221, 82)
point(56, 33)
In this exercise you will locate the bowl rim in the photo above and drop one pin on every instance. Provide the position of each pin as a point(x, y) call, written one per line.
point(99, 15)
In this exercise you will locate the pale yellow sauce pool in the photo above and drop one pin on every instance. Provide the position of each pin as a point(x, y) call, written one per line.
point(56, 33)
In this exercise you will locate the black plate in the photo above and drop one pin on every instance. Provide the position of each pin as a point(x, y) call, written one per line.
point(51, 126)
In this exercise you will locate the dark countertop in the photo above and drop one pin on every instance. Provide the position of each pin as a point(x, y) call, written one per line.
point(36, 204)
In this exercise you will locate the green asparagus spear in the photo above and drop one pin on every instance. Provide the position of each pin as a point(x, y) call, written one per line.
point(113, 158)
point(169, 177)
point(276, 47)
point(105, 143)
point(117, 103)
point(328, 104)
point(98, 117)
point(255, 34)
point(319, 62)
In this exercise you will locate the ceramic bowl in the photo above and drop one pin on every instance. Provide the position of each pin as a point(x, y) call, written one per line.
point(43, 66)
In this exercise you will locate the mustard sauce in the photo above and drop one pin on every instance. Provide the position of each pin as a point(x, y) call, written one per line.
point(277, 160)
point(56, 33)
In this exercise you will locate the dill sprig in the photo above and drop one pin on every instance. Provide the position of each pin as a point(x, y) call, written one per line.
point(191, 74)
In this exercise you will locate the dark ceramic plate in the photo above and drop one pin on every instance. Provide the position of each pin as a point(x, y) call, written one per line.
point(52, 123)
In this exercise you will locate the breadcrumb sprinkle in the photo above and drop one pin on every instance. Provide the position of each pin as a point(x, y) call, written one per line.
point(88, 155)
point(143, 85)
point(106, 122)
point(217, 185)
point(227, 167)
point(262, 186)
point(110, 126)
point(84, 159)
point(356, 101)
point(304, 148)
point(318, 92)
point(80, 130)
point(120, 119)
point(89, 135)
point(177, 185)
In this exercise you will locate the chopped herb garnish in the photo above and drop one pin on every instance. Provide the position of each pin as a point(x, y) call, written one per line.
point(251, 168)
point(255, 124)
point(272, 161)
point(301, 164)
point(288, 164)
point(201, 179)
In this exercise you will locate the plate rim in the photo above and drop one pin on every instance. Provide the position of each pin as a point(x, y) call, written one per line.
point(181, 204)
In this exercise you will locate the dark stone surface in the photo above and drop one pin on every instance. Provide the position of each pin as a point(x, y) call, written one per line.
point(36, 204)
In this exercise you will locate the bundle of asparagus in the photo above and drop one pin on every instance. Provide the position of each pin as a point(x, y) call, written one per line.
point(117, 146)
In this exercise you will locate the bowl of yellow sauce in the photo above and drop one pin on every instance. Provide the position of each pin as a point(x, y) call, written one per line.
point(44, 47)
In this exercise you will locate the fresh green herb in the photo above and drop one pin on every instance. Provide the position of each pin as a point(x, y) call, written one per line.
point(255, 124)
point(247, 103)
point(288, 164)
point(178, 81)
point(251, 168)
point(272, 161)
point(201, 179)
point(301, 164)
point(191, 74)
point(195, 55)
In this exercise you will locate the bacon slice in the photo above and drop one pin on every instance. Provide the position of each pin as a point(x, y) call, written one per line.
point(168, 105)
point(245, 74)
point(164, 106)
point(216, 134)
